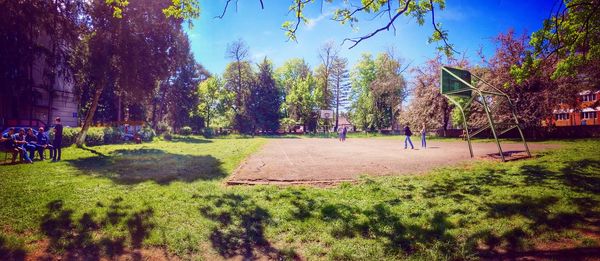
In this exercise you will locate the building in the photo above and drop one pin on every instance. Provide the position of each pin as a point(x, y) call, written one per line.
point(40, 101)
point(587, 111)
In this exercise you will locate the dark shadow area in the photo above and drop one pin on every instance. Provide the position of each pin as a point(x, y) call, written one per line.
point(240, 228)
point(576, 175)
point(10, 252)
point(379, 222)
point(510, 155)
point(82, 239)
point(190, 139)
point(93, 151)
point(536, 174)
point(140, 165)
point(573, 254)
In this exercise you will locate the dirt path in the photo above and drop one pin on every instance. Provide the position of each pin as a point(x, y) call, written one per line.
point(289, 161)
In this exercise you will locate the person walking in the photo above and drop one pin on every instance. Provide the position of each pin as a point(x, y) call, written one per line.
point(344, 132)
point(423, 132)
point(57, 142)
point(408, 133)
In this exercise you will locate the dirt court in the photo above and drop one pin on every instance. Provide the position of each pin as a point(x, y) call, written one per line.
point(312, 160)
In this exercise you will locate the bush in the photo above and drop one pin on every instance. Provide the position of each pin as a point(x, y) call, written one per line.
point(185, 131)
point(208, 133)
point(94, 137)
point(113, 135)
point(163, 127)
point(168, 136)
point(147, 133)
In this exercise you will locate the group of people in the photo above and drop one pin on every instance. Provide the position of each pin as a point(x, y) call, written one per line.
point(408, 133)
point(25, 143)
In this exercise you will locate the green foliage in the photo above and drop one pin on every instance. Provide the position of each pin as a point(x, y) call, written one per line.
point(453, 213)
point(186, 131)
point(572, 36)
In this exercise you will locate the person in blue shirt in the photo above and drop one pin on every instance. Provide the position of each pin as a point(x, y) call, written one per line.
point(44, 143)
point(22, 143)
point(8, 142)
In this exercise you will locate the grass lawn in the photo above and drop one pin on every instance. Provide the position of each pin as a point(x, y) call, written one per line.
point(167, 198)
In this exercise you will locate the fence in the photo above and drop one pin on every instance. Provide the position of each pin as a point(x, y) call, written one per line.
point(537, 133)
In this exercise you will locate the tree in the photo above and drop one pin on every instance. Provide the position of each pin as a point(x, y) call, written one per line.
point(265, 100)
point(339, 79)
point(136, 52)
point(388, 89)
point(212, 99)
point(300, 102)
point(287, 76)
point(571, 39)
point(37, 36)
point(239, 79)
point(427, 104)
point(361, 108)
point(327, 54)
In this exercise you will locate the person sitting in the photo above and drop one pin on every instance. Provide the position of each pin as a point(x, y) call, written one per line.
point(44, 143)
point(9, 145)
point(32, 143)
point(22, 143)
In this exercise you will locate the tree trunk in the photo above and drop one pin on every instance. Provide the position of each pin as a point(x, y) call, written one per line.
point(88, 119)
point(337, 106)
point(119, 109)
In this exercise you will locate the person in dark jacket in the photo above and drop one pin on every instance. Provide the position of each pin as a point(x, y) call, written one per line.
point(44, 143)
point(32, 143)
point(57, 142)
point(408, 133)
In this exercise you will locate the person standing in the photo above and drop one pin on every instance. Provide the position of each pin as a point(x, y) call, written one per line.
point(408, 133)
point(344, 132)
point(57, 142)
point(340, 134)
point(423, 132)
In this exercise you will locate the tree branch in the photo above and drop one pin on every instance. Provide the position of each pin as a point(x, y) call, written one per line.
point(438, 30)
point(356, 41)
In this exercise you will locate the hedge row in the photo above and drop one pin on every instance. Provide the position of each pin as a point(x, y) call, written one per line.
point(101, 136)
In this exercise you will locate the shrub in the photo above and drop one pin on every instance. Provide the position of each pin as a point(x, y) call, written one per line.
point(185, 131)
point(167, 136)
point(163, 127)
point(208, 133)
point(94, 137)
point(113, 135)
point(147, 133)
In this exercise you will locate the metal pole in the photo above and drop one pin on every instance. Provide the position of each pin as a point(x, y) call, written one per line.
point(462, 112)
point(512, 109)
point(487, 112)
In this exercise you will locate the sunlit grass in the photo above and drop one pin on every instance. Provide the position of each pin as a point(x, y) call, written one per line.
point(104, 200)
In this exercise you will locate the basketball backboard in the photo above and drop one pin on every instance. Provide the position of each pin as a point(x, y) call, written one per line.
point(451, 85)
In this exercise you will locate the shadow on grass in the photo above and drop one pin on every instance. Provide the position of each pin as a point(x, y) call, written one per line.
point(140, 165)
point(9, 252)
point(240, 228)
point(190, 139)
point(577, 175)
point(81, 238)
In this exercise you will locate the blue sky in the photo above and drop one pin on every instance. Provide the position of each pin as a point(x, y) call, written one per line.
point(471, 25)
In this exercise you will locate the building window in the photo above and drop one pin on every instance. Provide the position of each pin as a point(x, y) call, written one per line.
point(589, 97)
point(562, 116)
point(588, 115)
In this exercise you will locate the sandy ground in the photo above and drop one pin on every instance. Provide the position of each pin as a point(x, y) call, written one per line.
point(328, 160)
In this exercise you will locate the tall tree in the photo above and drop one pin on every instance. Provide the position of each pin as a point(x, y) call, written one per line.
point(362, 106)
point(265, 100)
point(212, 99)
point(388, 89)
point(239, 79)
point(327, 55)
point(340, 85)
